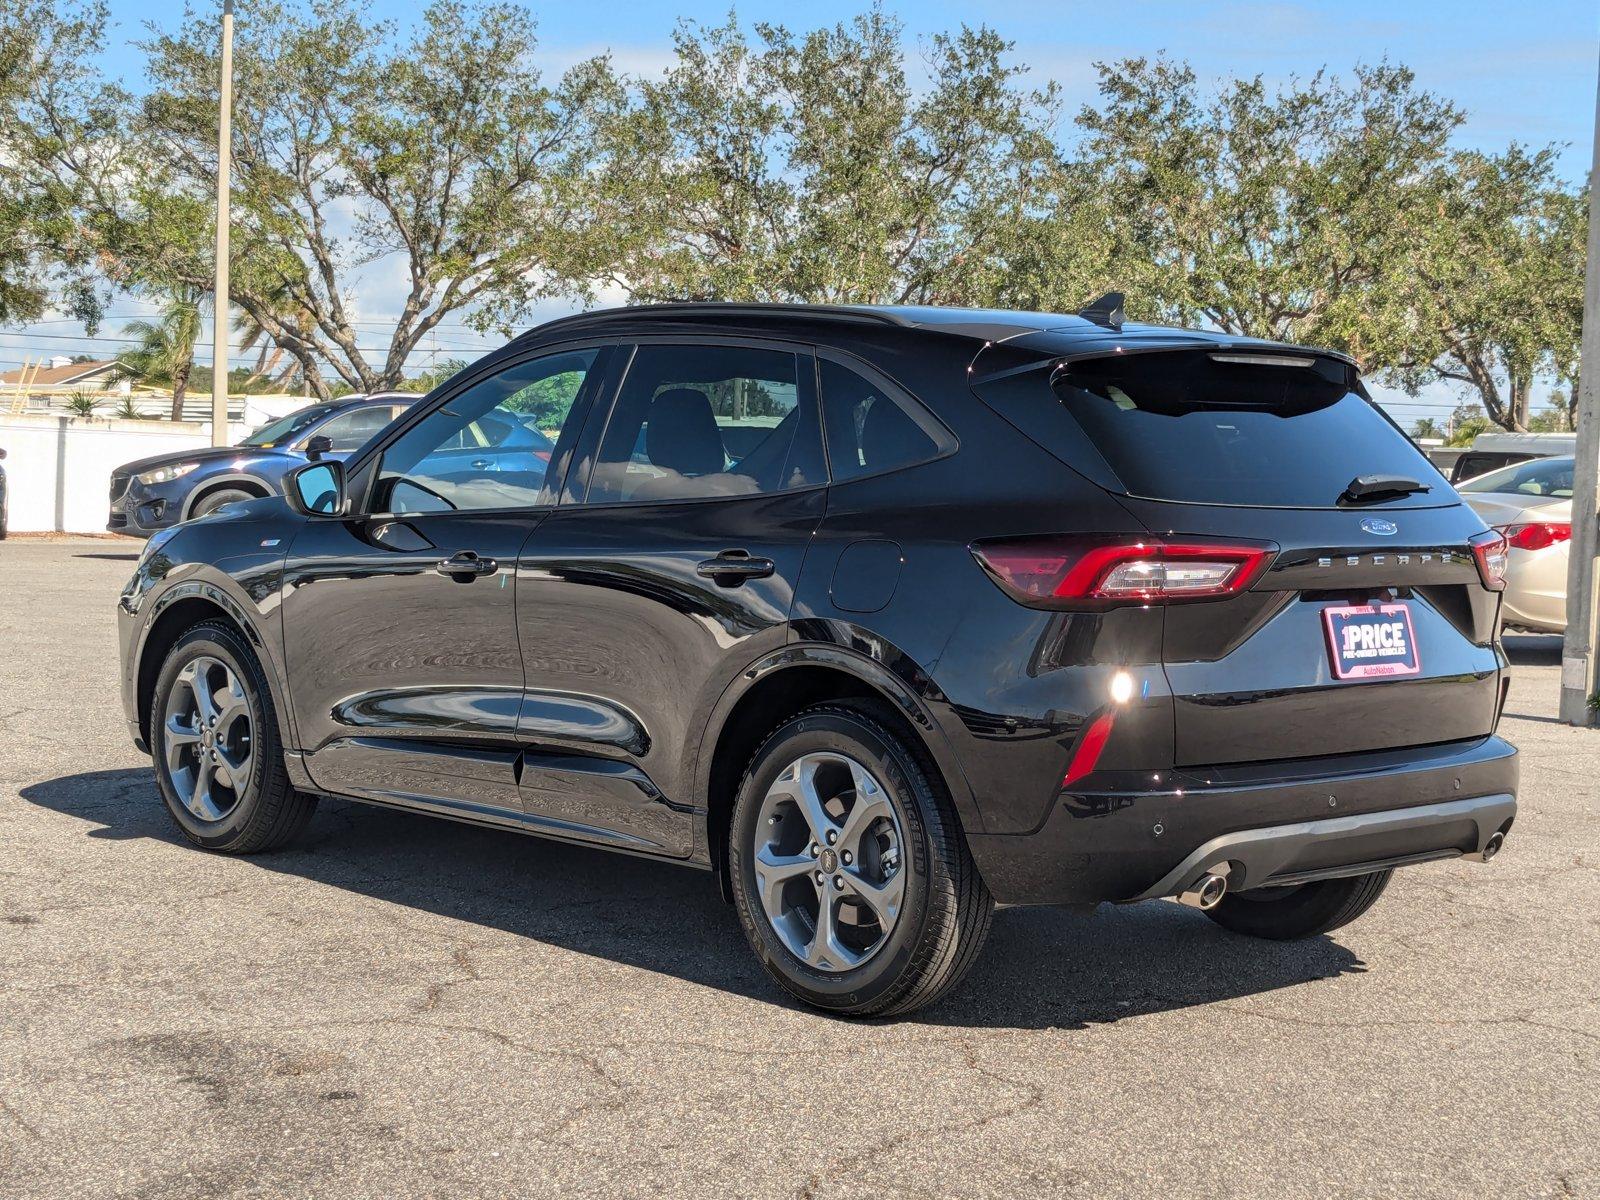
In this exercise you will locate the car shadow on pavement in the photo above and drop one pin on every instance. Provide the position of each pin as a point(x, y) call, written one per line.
point(1041, 968)
point(1533, 649)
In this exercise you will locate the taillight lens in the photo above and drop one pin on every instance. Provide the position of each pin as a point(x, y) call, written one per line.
point(1490, 549)
point(1537, 535)
point(1064, 572)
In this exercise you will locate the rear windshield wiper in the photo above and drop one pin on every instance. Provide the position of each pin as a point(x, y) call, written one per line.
point(1374, 487)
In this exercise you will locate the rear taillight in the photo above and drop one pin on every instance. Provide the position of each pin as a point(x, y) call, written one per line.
point(1489, 548)
point(1537, 535)
point(1066, 572)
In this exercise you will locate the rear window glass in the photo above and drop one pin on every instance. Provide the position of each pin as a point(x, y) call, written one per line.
point(1183, 426)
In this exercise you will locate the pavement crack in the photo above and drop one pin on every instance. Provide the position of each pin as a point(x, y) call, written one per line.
point(1032, 1097)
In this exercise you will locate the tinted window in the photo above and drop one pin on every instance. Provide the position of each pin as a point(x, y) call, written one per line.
point(354, 429)
point(867, 431)
point(1181, 426)
point(701, 421)
point(1542, 477)
point(488, 446)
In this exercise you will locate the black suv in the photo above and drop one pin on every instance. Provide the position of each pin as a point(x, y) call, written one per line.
point(877, 614)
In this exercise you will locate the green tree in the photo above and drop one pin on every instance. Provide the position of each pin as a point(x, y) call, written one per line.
point(164, 355)
point(441, 371)
point(1468, 430)
point(1426, 427)
point(1493, 279)
point(443, 153)
point(55, 124)
point(810, 167)
point(1260, 211)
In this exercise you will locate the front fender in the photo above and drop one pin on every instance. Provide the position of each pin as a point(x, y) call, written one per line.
point(244, 588)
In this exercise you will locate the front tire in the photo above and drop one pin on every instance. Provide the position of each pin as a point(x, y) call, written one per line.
point(214, 738)
point(1289, 913)
point(210, 504)
point(850, 872)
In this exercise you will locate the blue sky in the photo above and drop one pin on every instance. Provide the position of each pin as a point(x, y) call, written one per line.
point(1524, 73)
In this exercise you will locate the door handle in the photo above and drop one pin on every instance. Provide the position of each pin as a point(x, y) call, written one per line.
point(733, 567)
point(466, 566)
point(481, 464)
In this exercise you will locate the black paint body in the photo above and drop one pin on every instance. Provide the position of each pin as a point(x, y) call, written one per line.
point(583, 687)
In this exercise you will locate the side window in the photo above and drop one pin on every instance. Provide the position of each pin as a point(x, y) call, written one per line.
point(350, 431)
point(868, 431)
point(692, 422)
point(488, 446)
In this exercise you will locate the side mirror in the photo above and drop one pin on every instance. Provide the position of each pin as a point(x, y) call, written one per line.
point(317, 446)
point(316, 489)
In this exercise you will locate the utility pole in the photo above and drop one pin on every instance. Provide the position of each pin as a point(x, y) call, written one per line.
point(1578, 652)
point(219, 305)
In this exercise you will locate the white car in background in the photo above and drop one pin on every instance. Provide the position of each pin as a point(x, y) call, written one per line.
point(1531, 503)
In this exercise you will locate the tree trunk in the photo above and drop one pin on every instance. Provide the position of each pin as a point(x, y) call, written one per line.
point(180, 385)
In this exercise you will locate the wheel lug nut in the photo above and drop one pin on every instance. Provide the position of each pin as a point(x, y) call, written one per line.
point(832, 837)
point(846, 856)
point(819, 876)
point(838, 882)
point(814, 850)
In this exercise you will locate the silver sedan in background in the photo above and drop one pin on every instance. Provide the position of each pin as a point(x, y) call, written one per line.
point(1531, 503)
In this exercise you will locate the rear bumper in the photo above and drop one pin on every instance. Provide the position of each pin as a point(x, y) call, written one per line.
point(1337, 846)
point(1270, 822)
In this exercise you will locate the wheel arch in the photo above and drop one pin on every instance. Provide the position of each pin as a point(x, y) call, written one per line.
point(179, 609)
point(778, 686)
point(234, 481)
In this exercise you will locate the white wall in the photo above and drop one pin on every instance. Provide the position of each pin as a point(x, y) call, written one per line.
point(58, 468)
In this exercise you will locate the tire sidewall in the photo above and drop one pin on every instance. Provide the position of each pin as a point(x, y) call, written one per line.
point(841, 734)
point(210, 504)
point(211, 641)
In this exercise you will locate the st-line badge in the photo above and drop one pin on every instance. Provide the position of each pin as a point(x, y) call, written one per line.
point(1371, 641)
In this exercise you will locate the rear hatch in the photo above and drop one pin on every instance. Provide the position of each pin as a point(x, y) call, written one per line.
point(1371, 627)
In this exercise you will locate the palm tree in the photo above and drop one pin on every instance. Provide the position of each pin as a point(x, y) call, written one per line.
point(165, 353)
point(1427, 427)
point(269, 354)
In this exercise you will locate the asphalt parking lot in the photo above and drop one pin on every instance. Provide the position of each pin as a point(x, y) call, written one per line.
point(398, 1006)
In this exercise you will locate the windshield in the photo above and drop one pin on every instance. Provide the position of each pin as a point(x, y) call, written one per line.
point(1538, 477)
point(286, 429)
point(1199, 428)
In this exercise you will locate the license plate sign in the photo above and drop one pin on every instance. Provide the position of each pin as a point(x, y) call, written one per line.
point(1371, 641)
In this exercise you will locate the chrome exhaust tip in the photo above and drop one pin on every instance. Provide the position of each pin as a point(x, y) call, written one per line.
point(1492, 846)
point(1206, 893)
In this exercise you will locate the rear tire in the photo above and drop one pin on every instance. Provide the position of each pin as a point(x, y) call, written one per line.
point(1286, 914)
point(213, 736)
point(907, 911)
point(210, 504)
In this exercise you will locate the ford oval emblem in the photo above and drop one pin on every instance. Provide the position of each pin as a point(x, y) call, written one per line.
point(1379, 526)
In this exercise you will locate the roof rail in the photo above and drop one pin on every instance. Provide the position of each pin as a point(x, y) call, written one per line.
point(703, 310)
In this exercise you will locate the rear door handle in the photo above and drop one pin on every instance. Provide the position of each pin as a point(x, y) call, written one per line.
point(482, 464)
point(733, 567)
point(466, 565)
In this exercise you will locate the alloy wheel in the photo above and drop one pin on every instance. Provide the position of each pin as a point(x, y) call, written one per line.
point(209, 738)
point(829, 861)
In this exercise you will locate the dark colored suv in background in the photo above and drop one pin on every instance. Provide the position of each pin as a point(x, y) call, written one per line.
point(880, 614)
point(158, 492)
